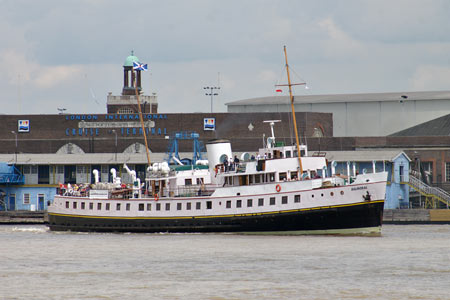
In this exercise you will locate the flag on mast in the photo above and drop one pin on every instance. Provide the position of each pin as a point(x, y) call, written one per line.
point(139, 66)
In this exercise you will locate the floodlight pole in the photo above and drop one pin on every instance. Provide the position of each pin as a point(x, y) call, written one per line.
point(211, 93)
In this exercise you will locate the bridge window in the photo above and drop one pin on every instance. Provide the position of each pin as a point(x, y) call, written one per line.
point(178, 206)
point(260, 201)
point(99, 206)
point(208, 204)
point(229, 204)
point(141, 206)
point(108, 205)
point(74, 205)
point(249, 202)
point(128, 206)
point(149, 206)
point(158, 206)
point(238, 203)
point(198, 205)
point(167, 206)
point(83, 205)
point(284, 200)
point(188, 206)
point(91, 205)
point(67, 204)
point(297, 198)
point(118, 206)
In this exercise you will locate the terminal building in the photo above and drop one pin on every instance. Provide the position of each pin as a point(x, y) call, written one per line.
point(39, 152)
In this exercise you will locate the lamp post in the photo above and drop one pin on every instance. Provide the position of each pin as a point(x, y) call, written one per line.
point(211, 93)
point(115, 152)
point(15, 151)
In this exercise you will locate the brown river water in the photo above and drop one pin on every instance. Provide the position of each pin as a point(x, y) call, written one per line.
point(406, 262)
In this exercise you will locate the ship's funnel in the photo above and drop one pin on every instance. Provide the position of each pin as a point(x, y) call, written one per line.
point(218, 151)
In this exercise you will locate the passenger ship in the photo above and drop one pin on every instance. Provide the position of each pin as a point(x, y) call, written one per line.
point(282, 191)
point(260, 196)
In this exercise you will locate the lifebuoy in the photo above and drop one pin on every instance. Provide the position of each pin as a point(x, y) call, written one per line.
point(278, 188)
point(156, 197)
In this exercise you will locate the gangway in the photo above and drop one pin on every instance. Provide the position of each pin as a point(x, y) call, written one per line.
point(433, 195)
point(9, 174)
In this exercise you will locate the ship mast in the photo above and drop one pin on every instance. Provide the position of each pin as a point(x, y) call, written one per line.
point(141, 119)
point(293, 113)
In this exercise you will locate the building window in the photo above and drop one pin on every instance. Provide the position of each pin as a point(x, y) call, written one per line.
point(238, 203)
point(260, 201)
point(81, 169)
point(447, 171)
point(208, 204)
point(297, 198)
point(198, 205)
point(107, 206)
point(178, 206)
point(125, 110)
point(26, 198)
point(228, 203)
point(26, 170)
point(167, 206)
point(128, 206)
point(188, 206)
point(249, 202)
point(141, 206)
point(158, 206)
point(284, 200)
point(99, 206)
point(60, 169)
point(149, 206)
point(118, 206)
point(272, 201)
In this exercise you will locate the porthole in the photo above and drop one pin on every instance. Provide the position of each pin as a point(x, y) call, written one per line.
point(321, 194)
point(342, 192)
point(331, 194)
point(312, 196)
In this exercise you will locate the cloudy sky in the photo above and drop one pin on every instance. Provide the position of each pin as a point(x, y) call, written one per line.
point(69, 54)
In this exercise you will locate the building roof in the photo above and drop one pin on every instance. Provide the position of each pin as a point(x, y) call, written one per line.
point(436, 127)
point(84, 159)
point(370, 97)
point(130, 59)
point(359, 156)
point(141, 158)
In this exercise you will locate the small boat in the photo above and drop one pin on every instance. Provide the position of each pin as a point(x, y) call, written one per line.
point(281, 190)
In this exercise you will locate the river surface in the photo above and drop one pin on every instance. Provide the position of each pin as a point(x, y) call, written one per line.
point(406, 262)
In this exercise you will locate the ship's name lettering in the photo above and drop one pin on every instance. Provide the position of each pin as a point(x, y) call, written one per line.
point(364, 187)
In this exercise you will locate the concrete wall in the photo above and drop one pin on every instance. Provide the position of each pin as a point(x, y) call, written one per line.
point(365, 118)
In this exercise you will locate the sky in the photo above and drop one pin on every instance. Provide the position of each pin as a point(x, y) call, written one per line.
point(69, 54)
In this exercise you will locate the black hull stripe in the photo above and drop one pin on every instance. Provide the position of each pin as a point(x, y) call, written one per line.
point(342, 217)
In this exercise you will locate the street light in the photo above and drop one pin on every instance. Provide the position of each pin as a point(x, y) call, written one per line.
point(211, 93)
point(115, 153)
point(15, 152)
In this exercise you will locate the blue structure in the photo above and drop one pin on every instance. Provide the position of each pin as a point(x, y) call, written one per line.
point(172, 151)
point(396, 163)
point(14, 195)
